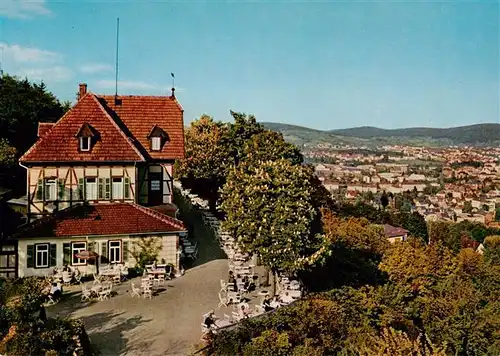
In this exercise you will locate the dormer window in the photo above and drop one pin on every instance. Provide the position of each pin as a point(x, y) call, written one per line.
point(157, 138)
point(155, 143)
point(84, 143)
point(86, 136)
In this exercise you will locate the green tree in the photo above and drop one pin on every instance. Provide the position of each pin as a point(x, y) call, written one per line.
point(492, 249)
point(240, 132)
point(8, 154)
point(270, 145)
point(22, 106)
point(207, 158)
point(269, 209)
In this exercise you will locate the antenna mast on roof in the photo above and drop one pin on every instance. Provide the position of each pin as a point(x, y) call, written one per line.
point(116, 64)
point(173, 84)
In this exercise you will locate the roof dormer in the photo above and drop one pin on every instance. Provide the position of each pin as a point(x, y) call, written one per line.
point(157, 138)
point(86, 136)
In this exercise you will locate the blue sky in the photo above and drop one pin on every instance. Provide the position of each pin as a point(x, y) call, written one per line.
point(322, 64)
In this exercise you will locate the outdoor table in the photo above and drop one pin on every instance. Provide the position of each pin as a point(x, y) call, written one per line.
point(222, 323)
point(157, 271)
point(96, 288)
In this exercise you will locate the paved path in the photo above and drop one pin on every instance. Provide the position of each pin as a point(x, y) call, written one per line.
point(168, 324)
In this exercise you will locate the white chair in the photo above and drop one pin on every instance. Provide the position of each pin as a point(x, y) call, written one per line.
point(161, 279)
point(67, 277)
point(236, 316)
point(117, 279)
point(222, 301)
point(105, 293)
point(147, 292)
point(135, 291)
point(223, 285)
point(86, 293)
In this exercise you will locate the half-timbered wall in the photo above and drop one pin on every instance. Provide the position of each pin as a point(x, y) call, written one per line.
point(71, 186)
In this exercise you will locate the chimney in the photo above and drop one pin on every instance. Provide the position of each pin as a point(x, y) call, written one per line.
point(82, 90)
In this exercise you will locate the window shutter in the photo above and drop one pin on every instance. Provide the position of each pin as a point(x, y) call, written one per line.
point(67, 254)
point(90, 246)
point(39, 190)
point(46, 190)
point(127, 188)
point(107, 195)
point(104, 252)
point(81, 189)
point(53, 255)
point(125, 251)
point(101, 188)
point(30, 256)
point(61, 189)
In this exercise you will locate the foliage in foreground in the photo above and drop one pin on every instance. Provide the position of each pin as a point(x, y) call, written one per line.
point(23, 332)
point(433, 302)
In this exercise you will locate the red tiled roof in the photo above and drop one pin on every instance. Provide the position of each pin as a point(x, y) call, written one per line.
point(60, 144)
point(102, 219)
point(44, 127)
point(141, 113)
point(392, 231)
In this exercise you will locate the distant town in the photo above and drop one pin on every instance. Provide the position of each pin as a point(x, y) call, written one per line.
point(449, 183)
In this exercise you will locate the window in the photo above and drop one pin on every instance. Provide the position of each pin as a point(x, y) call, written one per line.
point(50, 189)
point(42, 256)
point(155, 143)
point(84, 143)
point(77, 247)
point(117, 192)
point(155, 185)
point(91, 189)
point(115, 251)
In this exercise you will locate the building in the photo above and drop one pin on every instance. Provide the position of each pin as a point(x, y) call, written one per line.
point(394, 234)
point(106, 149)
point(95, 176)
point(111, 230)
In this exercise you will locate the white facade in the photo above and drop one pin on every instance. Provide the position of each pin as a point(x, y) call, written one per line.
point(39, 256)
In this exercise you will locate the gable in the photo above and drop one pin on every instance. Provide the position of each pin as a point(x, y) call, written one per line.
point(60, 144)
point(140, 114)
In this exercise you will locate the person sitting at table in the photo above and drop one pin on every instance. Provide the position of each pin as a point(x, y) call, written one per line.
point(286, 299)
point(266, 304)
point(232, 282)
point(244, 311)
point(55, 292)
point(246, 283)
point(66, 268)
point(210, 321)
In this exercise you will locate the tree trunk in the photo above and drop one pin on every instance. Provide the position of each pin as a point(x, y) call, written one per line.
point(275, 281)
point(268, 272)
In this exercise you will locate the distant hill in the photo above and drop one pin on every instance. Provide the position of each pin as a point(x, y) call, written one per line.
point(463, 134)
point(479, 135)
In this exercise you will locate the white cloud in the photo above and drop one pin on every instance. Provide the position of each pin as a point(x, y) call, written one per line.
point(51, 74)
point(95, 68)
point(135, 85)
point(34, 63)
point(20, 54)
point(23, 9)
